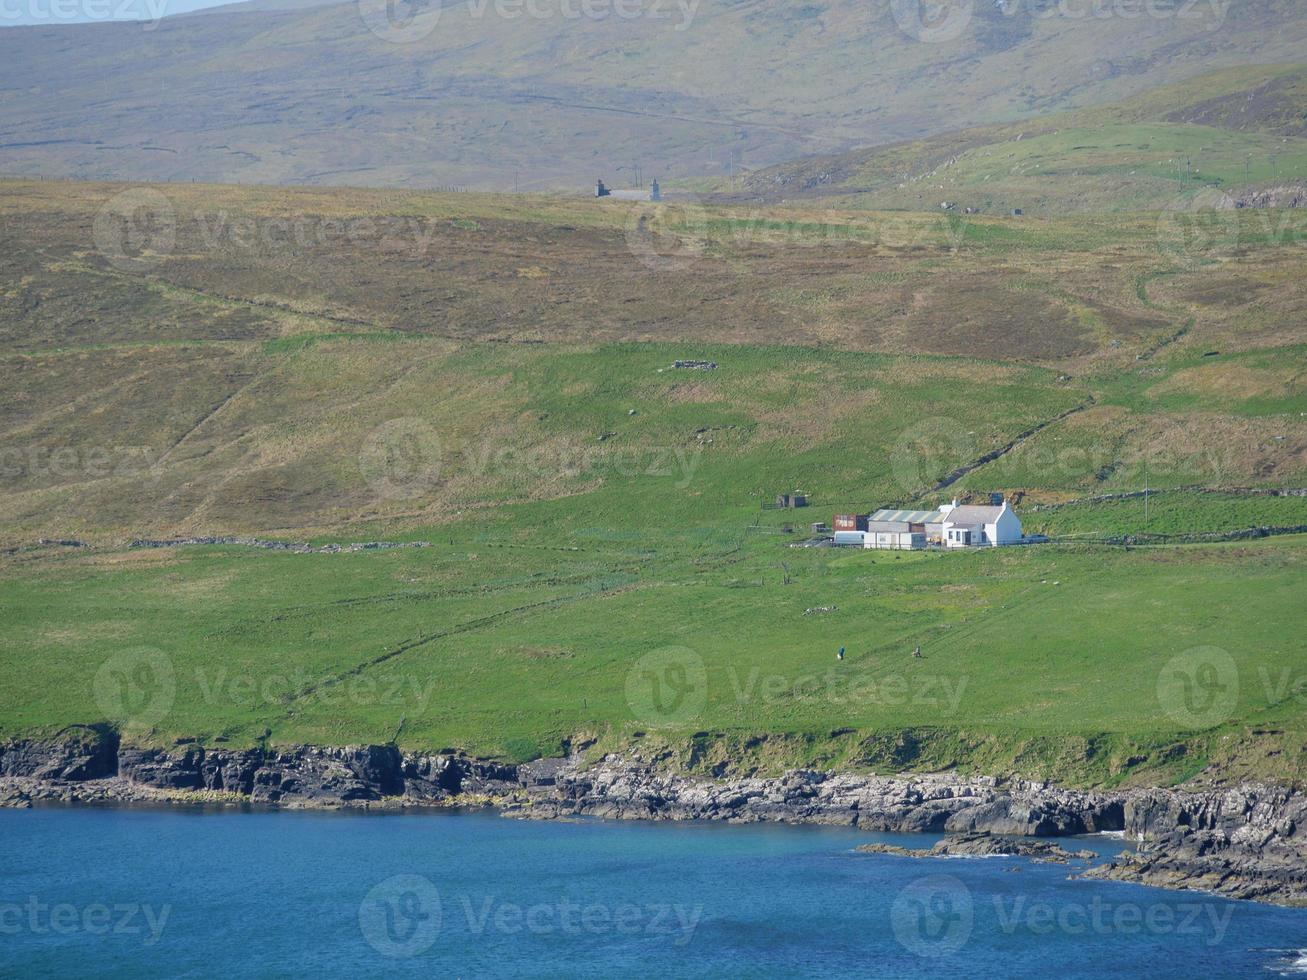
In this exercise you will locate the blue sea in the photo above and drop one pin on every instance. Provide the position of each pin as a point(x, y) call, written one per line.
point(190, 893)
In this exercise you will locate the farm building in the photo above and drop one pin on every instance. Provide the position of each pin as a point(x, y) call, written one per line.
point(886, 535)
point(951, 526)
point(971, 527)
point(928, 522)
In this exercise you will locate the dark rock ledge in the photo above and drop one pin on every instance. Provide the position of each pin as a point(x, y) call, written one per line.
point(1246, 842)
point(984, 844)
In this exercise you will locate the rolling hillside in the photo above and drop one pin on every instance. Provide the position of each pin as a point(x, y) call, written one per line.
point(464, 95)
point(491, 377)
point(1232, 135)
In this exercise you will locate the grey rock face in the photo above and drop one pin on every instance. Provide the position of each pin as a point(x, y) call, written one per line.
point(1247, 842)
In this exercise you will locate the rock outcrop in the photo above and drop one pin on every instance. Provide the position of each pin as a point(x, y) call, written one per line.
point(619, 787)
point(985, 844)
point(90, 765)
point(1248, 842)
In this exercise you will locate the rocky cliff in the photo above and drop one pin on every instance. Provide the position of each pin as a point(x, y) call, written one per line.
point(1246, 842)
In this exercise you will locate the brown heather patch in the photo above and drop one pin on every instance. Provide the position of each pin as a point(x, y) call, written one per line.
point(1220, 450)
point(929, 369)
point(817, 418)
point(1095, 418)
point(140, 556)
point(692, 393)
point(1234, 382)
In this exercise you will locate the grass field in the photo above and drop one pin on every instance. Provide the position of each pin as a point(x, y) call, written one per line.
point(600, 564)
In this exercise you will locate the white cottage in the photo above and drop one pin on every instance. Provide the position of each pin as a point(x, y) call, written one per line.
point(972, 527)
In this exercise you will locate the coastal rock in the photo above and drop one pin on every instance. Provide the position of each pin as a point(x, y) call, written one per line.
point(1245, 842)
point(76, 753)
point(985, 844)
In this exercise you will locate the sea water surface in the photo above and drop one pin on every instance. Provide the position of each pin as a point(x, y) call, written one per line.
point(132, 892)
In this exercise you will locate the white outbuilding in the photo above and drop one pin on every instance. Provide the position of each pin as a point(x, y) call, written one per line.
point(979, 527)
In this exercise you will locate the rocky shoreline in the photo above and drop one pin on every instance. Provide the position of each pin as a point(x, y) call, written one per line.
point(1247, 842)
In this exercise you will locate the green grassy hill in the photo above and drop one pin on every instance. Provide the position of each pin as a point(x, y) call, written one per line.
point(1234, 131)
point(496, 380)
point(457, 93)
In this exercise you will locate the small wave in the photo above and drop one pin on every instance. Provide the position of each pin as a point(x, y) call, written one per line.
point(1293, 964)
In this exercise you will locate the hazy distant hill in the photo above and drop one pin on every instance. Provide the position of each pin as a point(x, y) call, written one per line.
point(1236, 132)
point(467, 96)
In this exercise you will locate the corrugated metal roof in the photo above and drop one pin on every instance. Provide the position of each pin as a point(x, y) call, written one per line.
point(893, 527)
point(908, 516)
